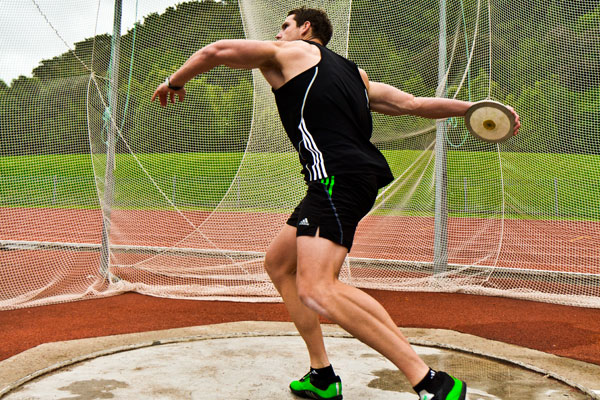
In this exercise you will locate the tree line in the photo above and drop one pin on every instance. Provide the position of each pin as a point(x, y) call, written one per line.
point(545, 57)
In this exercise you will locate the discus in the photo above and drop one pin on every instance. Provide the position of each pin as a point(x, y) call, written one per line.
point(490, 121)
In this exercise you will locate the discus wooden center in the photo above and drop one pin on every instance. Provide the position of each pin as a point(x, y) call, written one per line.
point(489, 124)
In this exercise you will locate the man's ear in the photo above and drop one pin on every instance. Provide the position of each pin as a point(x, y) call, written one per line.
point(305, 27)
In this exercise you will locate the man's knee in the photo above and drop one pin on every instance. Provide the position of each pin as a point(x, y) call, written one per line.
point(281, 255)
point(316, 295)
point(277, 264)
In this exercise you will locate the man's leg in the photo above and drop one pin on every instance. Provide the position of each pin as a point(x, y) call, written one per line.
point(280, 264)
point(319, 263)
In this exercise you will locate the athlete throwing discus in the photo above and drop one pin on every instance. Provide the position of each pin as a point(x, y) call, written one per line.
point(325, 103)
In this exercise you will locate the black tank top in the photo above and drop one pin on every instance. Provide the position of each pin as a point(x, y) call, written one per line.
point(325, 112)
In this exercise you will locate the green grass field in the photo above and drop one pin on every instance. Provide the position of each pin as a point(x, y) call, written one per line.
point(545, 185)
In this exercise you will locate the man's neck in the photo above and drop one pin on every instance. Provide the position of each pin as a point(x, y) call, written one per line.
point(313, 39)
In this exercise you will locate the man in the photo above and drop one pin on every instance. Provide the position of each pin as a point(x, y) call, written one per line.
point(324, 102)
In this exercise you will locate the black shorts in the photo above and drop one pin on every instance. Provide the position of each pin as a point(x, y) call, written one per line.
point(335, 206)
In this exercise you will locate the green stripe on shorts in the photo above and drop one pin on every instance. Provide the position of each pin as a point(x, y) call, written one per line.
point(328, 182)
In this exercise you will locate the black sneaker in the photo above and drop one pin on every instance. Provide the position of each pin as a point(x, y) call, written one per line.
point(451, 389)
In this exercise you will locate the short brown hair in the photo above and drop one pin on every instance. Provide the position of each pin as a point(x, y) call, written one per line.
point(319, 22)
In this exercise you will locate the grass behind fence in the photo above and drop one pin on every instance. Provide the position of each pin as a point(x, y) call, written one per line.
point(550, 185)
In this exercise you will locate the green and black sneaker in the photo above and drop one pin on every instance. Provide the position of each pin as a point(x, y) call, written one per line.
point(450, 388)
point(307, 389)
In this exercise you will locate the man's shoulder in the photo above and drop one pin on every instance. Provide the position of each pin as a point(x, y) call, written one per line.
point(294, 45)
point(292, 51)
point(297, 52)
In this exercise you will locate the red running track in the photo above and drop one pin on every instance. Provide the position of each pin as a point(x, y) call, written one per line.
point(567, 246)
point(565, 331)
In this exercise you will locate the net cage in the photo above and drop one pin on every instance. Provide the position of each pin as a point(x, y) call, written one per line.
point(103, 191)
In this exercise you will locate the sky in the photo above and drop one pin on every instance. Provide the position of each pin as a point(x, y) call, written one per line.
point(26, 37)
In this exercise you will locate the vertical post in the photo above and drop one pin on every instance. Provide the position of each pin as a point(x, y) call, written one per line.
point(239, 191)
point(556, 210)
point(110, 147)
point(465, 186)
point(174, 188)
point(54, 189)
point(440, 245)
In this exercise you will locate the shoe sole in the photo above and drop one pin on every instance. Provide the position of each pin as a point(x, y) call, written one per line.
point(463, 392)
point(307, 394)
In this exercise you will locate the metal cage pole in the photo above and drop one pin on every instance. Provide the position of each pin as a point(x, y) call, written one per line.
point(109, 182)
point(440, 250)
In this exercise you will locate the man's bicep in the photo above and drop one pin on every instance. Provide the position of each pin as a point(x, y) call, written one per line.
point(364, 77)
point(389, 100)
point(245, 54)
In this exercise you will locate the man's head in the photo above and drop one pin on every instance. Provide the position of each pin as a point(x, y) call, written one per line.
point(306, 23)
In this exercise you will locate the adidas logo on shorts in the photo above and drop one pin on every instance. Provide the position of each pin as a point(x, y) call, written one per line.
point(304, 222)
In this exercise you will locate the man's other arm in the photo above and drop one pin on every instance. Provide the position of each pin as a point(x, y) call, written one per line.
point(389, 100)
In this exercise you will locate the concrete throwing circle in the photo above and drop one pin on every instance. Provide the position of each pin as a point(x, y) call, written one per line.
point(262, 367)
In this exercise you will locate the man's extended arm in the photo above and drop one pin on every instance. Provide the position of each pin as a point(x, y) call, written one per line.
point(236, 53)
point(241, 54)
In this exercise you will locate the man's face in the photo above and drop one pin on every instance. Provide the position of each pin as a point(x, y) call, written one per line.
point(289, 30)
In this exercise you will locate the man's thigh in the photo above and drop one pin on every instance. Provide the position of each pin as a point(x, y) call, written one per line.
point(282, 252)
point(319, 259)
